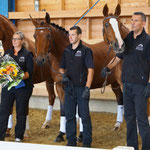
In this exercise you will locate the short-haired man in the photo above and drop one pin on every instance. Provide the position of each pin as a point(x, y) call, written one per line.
point(136, 81)
point(77, 67)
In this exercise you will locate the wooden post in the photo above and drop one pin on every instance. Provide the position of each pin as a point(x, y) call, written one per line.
point(88, 29)
point(62, 7)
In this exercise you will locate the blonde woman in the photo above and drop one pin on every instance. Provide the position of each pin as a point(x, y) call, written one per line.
point(20, 93)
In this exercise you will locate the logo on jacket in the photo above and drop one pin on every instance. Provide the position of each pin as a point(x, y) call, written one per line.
point(22, 59)
point(140, 47)
point(78, 53)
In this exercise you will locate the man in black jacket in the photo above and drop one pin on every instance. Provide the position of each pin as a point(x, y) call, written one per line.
point(77, 67)
point(136, 81)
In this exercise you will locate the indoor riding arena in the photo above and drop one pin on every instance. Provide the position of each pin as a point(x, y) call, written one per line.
point(43, 123)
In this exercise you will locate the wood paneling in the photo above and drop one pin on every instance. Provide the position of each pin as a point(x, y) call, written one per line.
point(67, 12)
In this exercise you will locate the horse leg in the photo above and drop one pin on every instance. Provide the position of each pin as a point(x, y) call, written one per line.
point(148, 109)
point(79, 121)
point(27, 124)
point(51, 96)
point(62, 130)
point(119, 95)
point(10, 123)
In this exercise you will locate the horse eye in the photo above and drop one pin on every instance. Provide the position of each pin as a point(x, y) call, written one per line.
point(34, 35)
point(48, 36)
point(106, 24)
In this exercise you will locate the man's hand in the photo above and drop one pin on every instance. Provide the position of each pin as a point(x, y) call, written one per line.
point(147, 90)
point(86, 93)
point(105, 71)
point(65, 79)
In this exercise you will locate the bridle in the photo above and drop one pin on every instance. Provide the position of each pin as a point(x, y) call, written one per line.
point(43, 28)
point(110, 47)
point(103, 30)
point(116, 45)
point(47, 54)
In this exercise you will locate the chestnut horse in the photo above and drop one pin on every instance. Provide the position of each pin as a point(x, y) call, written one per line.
point(51, 38)
point(110, 35)
point(41, 73)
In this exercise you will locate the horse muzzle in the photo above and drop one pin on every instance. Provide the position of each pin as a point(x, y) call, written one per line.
point(40, 60)
point(116, 48)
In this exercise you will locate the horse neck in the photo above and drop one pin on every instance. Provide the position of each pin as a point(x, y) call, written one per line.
point(61, 40)
point(8, 30)
point(124, 31)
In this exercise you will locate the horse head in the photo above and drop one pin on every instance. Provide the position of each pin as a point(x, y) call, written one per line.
point(43, 39)
point(112, 29)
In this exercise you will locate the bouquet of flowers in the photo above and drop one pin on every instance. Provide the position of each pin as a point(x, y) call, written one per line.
point(10, 72)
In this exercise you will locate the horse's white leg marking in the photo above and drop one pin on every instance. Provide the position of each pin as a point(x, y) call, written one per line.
point(27, 123)
point(120, 113)
point(48, 117)
point(10, 122)
point(63, 124)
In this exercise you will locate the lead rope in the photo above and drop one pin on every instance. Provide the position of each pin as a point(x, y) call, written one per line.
point(105, 81)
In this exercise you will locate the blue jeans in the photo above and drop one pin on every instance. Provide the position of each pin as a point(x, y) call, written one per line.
point(135, 112)
point(73, 97)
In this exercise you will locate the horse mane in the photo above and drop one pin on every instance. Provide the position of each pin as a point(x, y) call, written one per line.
point(13, 27)
point(60, 28)
point(42, 23)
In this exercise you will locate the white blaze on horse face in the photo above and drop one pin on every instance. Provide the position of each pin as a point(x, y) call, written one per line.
point(114, 25)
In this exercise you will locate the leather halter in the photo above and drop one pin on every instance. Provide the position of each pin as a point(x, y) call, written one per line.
point(42, 28)
point(109, 17)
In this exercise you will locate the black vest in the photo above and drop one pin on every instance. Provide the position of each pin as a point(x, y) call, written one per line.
point(76, 69)
point(136, 59)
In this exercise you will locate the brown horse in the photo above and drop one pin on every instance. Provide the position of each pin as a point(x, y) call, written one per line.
point(41, 73)
point(111, 38)
point(51, 38)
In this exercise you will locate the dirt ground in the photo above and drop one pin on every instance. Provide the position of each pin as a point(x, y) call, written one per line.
point(103, 134)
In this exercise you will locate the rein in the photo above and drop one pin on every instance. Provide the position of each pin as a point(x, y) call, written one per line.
point(105, 81)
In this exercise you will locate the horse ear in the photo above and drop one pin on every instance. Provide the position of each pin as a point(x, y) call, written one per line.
point(118, 10)
point(33, 21)
point(47, 18)
point(105, 10)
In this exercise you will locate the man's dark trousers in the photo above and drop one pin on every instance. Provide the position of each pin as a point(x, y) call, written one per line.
point(135, 107)
point(73, 97)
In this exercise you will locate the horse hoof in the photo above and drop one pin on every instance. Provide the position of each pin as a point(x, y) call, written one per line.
point(45, 126)
point(59, 138)
point(8, 132)
point(7, 135)
point(26, 135)
point(80, 138)
point(117, 126)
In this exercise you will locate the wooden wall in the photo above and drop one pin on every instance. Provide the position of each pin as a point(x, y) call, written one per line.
point(67, 12)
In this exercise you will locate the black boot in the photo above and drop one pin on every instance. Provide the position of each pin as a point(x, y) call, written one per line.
point(80, 137)
point(60, 137)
